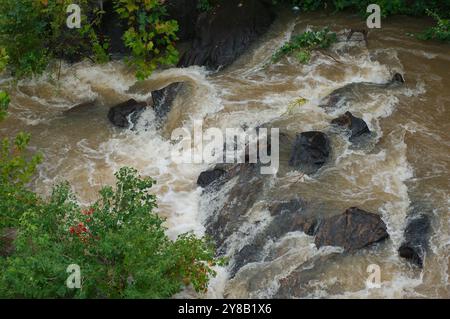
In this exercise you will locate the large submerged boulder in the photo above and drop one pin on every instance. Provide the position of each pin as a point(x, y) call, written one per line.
point(355, 125)
point(343, 97)
point(226, 31)
point(310, 152)
point(352, 230)
point(127, 113)
point(163, 99)
point(287, 216)
point(246, 181)
point(416, 236)
point(207, 177)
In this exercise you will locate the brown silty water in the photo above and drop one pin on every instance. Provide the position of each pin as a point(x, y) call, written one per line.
point(406, 162)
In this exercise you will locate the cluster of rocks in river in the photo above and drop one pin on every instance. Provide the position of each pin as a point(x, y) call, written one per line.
point(217, 37)
point(352, 230)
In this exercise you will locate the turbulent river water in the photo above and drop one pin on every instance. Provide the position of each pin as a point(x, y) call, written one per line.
point(409, 161)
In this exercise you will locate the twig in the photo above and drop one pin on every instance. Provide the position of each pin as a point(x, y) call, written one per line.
point(330, 56)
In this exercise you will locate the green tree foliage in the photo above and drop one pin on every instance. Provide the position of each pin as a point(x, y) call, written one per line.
point(17, 168)
point(119, 242)
point(303, 44)
point(33, 32)
point(440, 32)
point(205, 5)
point(388, 7)
point(150, 36)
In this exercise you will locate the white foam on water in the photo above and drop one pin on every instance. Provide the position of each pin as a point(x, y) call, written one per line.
point(261, 279)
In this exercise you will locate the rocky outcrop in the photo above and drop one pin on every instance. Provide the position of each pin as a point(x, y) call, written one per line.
point(416, 236)
point(310, 152)
point(163, 99)
point(355, 125)
point(397, 78)
point(288, 216)
point(300, 282)
point(127, 113)
point(208, 177)
point(352, 230)
point(240, 198)
point(186, 14)
point(351, 93)
point(223, 33)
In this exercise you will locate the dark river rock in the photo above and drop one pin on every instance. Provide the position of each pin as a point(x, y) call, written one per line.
point(226, 31)
point(350, 93)
point(290, 215)
point(298, 283)
point(310, 152)
point(355, 125)
point(239, 199)
point(207, 177)
point(186, 13)
point(163, 99)
point(122, 114)
point(352, 230)
point(416, 236)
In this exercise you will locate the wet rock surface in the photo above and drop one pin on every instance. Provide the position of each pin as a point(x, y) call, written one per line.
point(310, 151)
point(355, 125)
point(288, 216)
point(223, 33)
point(345, 96)
point(300, 281)
point(416, 237)
point(352, 230)
point(127, 113)
point(163, 99)
point(240, 199)
point(208, 177)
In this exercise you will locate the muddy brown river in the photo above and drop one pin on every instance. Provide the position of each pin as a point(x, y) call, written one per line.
point(407, 162)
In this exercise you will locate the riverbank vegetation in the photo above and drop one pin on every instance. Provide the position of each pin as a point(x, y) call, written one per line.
point(119, 242)
point(303, 44)
point(33, 33)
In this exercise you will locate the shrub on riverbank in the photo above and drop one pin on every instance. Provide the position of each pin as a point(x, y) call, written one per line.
point(440, 32)
point(119, 242)
point(33, 33)
point(303, 44)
